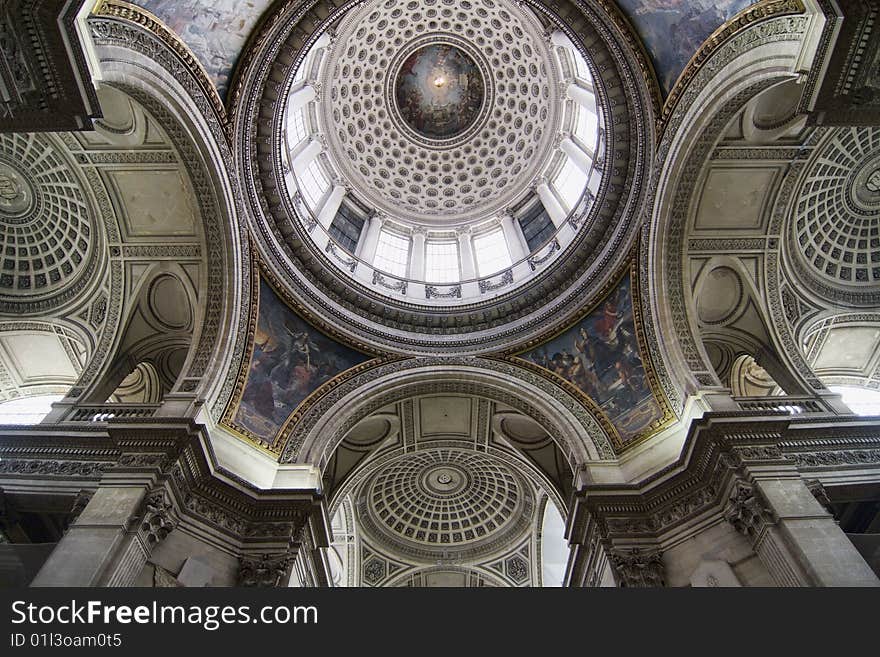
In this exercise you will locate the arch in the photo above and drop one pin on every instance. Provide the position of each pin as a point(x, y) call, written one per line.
point(138, 63)
point(765, 54)
point(323, 426)
point(730, 311)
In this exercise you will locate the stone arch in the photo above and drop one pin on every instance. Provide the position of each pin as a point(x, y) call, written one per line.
point(761, 56)
point(323, 426)
point(146, 68)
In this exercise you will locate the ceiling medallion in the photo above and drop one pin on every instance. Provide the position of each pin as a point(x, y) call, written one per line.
point(16, 194)
point(439, 91)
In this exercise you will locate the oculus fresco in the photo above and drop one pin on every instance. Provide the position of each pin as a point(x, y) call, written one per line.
point(439, 91)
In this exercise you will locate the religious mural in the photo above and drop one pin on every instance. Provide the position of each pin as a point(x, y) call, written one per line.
point(439, 91)
point(600, 356)
point(673, 30)
point(290, 360)
point(215, 30)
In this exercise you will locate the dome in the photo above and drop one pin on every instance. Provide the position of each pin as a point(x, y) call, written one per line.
point(442, 169)
point(425, 146)
point(441, 500)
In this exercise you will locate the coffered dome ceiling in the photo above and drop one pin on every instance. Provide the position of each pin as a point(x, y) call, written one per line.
point(440, 112)
point(444, 176)
point(445, 500)
point(836, 218)
point(47, 224)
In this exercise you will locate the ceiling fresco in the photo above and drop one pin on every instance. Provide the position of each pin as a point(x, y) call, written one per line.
point(439, 91)
point(290, 360)
point(600, 356)
point(217, 30)
point(690, 21)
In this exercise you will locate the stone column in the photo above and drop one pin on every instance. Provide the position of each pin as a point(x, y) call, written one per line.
point(582, 93)
point(417, 255)
point(300, 98)
point(367, 246)
point(417, 264)
point(797, 540)
point(331, 206)
point(582, 158)
point(551, 203)
point(468, 263)
point(303, 157)
point(514, 237)
point(111, 540)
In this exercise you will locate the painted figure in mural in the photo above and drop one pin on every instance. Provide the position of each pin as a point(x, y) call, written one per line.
point(600, 356)
point(290, 360)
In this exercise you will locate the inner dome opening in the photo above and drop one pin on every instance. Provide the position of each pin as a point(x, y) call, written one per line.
point(439, 91)
point(441, 154)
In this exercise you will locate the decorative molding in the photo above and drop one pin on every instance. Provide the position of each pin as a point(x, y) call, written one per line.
point(139, 16)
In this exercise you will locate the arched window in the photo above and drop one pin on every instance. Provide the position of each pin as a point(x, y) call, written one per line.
point(491, 253)
point(392, 253)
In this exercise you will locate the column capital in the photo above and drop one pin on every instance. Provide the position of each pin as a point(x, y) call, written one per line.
point(747, 511)
point(264, 570)
point(637, 567)
point(157, 520)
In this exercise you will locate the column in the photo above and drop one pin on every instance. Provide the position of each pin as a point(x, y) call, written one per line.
point(583, 95)
point(304, 157)
point(111, 540)
point(580, 156)
point(417, 264)
point(301, 97)
point(331, 205)
point(417, 255)
point(367, 245)
point(514, 237)
point(551, 203)
point(468, 264)
point(794, 536)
